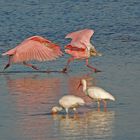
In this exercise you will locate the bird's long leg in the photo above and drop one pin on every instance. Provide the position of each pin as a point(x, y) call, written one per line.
point(75, 110)
point(89, 66)
point(105, 105)
point(68, 62)
point(67, 110)
point(9, 63)
point(30, 65)
point(75, 113)
point(98, 103)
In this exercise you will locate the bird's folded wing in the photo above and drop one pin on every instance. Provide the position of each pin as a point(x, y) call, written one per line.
point(74, 48)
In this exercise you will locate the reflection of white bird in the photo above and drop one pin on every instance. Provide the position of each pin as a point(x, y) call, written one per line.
point(96, 93)
point(67, 102)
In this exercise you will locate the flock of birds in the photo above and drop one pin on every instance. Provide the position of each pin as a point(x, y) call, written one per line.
point(72, 102)
point(42, 49)
point(80, 47)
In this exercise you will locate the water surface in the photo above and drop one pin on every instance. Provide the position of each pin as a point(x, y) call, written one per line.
point(26, 97)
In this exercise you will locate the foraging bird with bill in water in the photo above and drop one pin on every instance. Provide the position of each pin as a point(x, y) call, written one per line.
point(68, 102)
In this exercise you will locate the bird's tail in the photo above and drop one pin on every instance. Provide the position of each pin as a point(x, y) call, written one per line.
point(10, 52)
point(112, 98)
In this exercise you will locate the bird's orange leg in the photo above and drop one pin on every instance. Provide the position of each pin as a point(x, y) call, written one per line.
point(105, 105)
point(68, 62)
point(89, 66)
point(9, 63)
point(29, 65)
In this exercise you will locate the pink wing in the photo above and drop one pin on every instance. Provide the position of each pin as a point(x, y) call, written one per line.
point(80, 38)
point(35, 48)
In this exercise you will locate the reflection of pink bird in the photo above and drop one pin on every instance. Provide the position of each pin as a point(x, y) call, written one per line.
point(33, 48)
point(80, 47)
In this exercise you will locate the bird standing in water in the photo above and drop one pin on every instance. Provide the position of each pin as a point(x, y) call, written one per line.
point(81, 48)
point(33, 48)
point(96, 93)
point(67, 102)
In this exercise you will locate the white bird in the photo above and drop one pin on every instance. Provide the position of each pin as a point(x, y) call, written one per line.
point(67, 102)
point(96, 93)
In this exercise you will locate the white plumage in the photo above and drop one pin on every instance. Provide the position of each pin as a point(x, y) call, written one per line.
point(99, 93)
point(96, 93)
point(67, 102)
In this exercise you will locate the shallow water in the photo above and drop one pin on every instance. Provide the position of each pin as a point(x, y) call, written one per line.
point(26, 97)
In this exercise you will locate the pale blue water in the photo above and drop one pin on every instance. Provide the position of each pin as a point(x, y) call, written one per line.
point(26, 98)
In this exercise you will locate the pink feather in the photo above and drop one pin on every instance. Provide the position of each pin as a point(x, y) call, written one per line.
point(80, 38)
point(34, 48)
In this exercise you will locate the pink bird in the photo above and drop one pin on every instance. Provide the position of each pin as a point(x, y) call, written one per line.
point(80, 47)
point(33, 48)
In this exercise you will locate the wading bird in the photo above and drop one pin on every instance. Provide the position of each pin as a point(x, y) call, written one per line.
point(81, 48)
point(33, 48)
point(68, 102)
point(96, 93)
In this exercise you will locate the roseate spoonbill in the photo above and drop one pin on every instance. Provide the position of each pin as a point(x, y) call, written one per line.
point(96, 93)
point(80, 47)
point(67, 102)
point(33, 48)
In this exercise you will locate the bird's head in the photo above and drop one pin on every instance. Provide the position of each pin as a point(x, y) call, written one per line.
point(56, 109)
point(94, 52)
point(81, 83)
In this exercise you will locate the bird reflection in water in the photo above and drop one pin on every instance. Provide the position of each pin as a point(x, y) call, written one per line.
point(73, 82)
point(92, 124)
point(33, 96)
point(33, 92)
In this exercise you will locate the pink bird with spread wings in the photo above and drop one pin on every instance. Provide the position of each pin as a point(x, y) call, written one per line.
point(33, 48)
point(81, 48)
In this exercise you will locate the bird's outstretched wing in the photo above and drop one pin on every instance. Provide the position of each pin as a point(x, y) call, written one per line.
point(80, 39)
point(35, 48)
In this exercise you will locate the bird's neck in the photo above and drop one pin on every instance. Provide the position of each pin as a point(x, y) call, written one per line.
point(84, 87)
point(86, 92)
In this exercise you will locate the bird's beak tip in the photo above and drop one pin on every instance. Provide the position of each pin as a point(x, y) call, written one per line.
point(99, 54)
point(80, 84)
point(53, 113)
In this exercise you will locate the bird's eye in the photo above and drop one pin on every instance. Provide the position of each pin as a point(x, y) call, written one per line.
point(92, 51)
